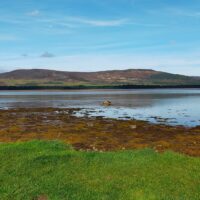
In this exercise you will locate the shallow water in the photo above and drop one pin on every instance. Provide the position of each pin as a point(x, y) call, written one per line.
point(168, 106)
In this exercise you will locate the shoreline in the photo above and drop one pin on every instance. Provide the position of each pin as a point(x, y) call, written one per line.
point(95, 133)
point(85, 87)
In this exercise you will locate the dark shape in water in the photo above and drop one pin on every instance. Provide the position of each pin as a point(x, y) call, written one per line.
point(107, 103)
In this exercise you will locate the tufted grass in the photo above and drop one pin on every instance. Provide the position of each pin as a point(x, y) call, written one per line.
point(54, 171)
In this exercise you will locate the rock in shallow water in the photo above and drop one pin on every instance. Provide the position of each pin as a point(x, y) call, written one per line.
point(107, 103)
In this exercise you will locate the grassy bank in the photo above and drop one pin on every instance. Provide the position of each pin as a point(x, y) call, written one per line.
point(54, 170)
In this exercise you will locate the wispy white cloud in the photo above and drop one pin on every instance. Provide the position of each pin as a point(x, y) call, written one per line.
point(176, 11)
point(34, 13)
point(120, 45)
point(55, 21)
point(77, 21)
point(8, 38)
point(51, 22)
point(94, 22)
point(184, 12)
point(150, 25)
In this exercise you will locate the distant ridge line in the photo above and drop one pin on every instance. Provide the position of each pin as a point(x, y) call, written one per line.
point(110, 78)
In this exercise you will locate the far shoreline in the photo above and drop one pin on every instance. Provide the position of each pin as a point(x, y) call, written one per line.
point(85, 87)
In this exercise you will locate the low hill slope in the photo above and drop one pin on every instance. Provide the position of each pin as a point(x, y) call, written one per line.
point(42, 77)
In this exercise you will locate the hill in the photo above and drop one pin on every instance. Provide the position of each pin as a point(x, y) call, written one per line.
point(142, 77)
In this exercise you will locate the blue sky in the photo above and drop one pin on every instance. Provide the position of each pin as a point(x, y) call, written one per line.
point(93, 35)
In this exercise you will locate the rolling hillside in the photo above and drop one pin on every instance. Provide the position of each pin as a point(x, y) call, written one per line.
point(41, 77)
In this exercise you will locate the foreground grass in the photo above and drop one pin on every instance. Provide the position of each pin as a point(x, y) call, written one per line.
point(54, 170)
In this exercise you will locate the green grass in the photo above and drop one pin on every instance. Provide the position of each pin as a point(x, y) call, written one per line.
point(31, 169)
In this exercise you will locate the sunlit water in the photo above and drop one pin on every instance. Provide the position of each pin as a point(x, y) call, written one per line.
point(169, 106)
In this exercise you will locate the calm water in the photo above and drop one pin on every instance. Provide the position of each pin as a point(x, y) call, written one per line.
point(171, 106)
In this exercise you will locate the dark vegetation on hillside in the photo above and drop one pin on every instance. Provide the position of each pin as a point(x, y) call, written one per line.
point(131, 78)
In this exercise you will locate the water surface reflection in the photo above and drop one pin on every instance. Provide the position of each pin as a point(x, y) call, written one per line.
point(176, 106)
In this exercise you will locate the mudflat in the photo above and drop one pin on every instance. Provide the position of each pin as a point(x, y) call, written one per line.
point(95, 133)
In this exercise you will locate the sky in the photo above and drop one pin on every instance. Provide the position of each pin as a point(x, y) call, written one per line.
point(96, 35)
